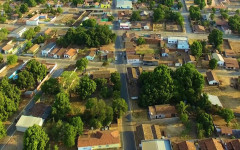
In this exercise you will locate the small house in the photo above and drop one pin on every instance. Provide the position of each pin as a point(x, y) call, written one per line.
point(212, 78)
point(210, 144)
point(219, 58)
point(183, 44)
point(162, 111)
point(48, 49)
point(164, 52)
point(231, 63)
point(18, 32)
point(70, 53)
point(133, 59)
point(185, 145)
point(7, 49)
point(179, 62)
point(33, 49)
point(28, 121)
point(124, 4)
point(91, 55)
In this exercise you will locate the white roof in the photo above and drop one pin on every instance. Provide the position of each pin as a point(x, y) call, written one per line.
point(214, 100)
point(156, 145)
point(178, 38)
point(218, 57)
point(124, 4)
point(181, 42)
point(28, 121)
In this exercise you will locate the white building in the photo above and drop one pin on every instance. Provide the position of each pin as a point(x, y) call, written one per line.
point(214, 100)
point(48, 49)
point(212, 78)
point(33, 21)
point(28, 121)
point(133, 59)
point(18, 32)
point(219, 58)
point(124, 4)
point(183, 44)
point(125, 26)
point(174, 40)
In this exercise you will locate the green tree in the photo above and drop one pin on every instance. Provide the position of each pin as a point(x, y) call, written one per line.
point(59, 10)
point(1, 58)
point(207, 122)
point(6, 7)
point(213, 10)
point(204, 103)
point(25, 80)
point(78, 124)
point(31, 3)
point(81, 64)
point(89, 23)
point(29, 44)
point(3, 131)
point(69, 135)
point(29, 34)
point(61, 106)
point(101, 83)
point(115, 79)
point(35, 138)
point(111, 18)
point(184, 118)
point(3, 34)
point(169, 3)
point(109, 116)
point(237, 11)
point(119, 107)
point(51, 86)
point(86, 87)
point(69, 80)
point(141, 41)
point(196, 49)
point(37, 29)
point(188, 84)
point(215, 38)
point(234, 23)
point(38, 70)
point(179, 5)
point(227, 114)
point(135, 16)
point(213, 63)
point(75, 2)
point(212, 16)
point(12, 59)
point(182, 108)
point(195, 13)
point(3, 19)
point(159, 92)
point(23, 8)
point(158, 15)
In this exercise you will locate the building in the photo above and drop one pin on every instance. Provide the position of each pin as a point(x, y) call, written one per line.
point(221, 126)
point(91, 55)
point(198, 29)
point(33, 21)
point(125, 26)
point(210, 144)
point(48, 49)
point(233, 144)
point(226, 29)
point(174, 40)
point(160, 144)
point(60, 53)
point(212, 78)
point(164, 52)
point(230, 53)
point(231, 63)
point(70, 53)
point(18, 32)
point(27, 121)
point(179, 62)
point(189, 59)
point(124, 4)
point(33, 49)
point(219, 58)
point(7, 49)
point(53, 52)
point(183, 44)
point(214, 100)
point(149, 60)
point(100, 140)
point(185, 145)
point(162, 111)
point(133, 59)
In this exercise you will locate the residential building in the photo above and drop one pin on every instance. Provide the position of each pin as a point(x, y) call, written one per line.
point(183, 44)
point(231, 63)
point(214, 100)
point(185, 145)
point(53, 52)
point(162, 111)
point(233, 144)
point(48, 49)
point(7, 49)
point(164, 52)
point(149, 60)
point(133, 59)
point(33, 49)
point(230, 53)
point(160, 144)
point(210, 144)
point(221, 126)
point(100, 140)
point(124, 4)
point(206, 16)
point(33, 21)
point(125, 26)
point(91, 55)
point(226, 29)
point(189, 59)
point(153, 39)
point(70, 53)
point(179, 62)
point(212, 78)
point(60, 53)
point(174, 40)
point(18, 32)
point(219, 58)
point(27, 121)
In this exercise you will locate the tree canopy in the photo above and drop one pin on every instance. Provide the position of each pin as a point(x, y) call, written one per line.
point(38, 70)
point(51, 86)
point(12, 59)
point(115, 79)
point(3, 131)
point(215, 38)
point(89, 23)
point(205, 122)
point(23, 8)
point(35, 138)
point(86, 87)
point(25, 80)
point(3, 34)
point(135, 16)
point(78, 124)
point(69, 135)
point(61, 106)
point(227, 114)
point(196, 49)
point(119, 107)
point(153, 92)
point(141, 41)
point(195, 13)
point(29, 34)
point(234, 23)
point(213, 63)
point(81, 64)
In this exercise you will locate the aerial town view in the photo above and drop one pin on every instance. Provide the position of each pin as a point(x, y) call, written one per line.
point(120, 75)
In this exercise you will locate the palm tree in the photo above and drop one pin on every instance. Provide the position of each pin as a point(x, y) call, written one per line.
point(182, 107)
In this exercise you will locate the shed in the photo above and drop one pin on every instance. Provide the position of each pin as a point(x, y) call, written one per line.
point(27, 121)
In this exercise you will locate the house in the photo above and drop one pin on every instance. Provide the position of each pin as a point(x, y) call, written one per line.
point(179, 62)
point(100, 140)
point(189, 59)
point(233, 144)
point(124, 15)
point(160, 144)
point(162, 111)
point(219, 58)
point(185, 145)
point(212, 78)
point(106, 74)
point(198, 29)
point(174, 40)
point(7, 49)
point(231, 63)
point(53, 52)
point(136, 26)
point(124, 4)
point(60, 53)
point(146, 25)
point(164, 52)
point(221, 126)
point(210, 144)
point(91, 55)
point(33, 49)
point(183, 44)
point(230, 53)
point(70, 53)
point(214, 100)
point(149, 60)
point(133, 59)
point(18, 32)
point(226, 29)
point(124, 26)
point(48, 49)
point(153, 39)
point(206, 16)
point(27, 121)
point(33, 21)
point(144, 13)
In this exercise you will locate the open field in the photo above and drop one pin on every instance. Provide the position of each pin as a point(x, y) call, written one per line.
point(235, 46)
point(147, 49)
point(62, 19)
point(16, 142)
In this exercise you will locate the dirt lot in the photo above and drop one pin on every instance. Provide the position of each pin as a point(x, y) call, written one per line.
point(147, 49)
point(235, 46)
point(62, 19)
point(16, 142)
